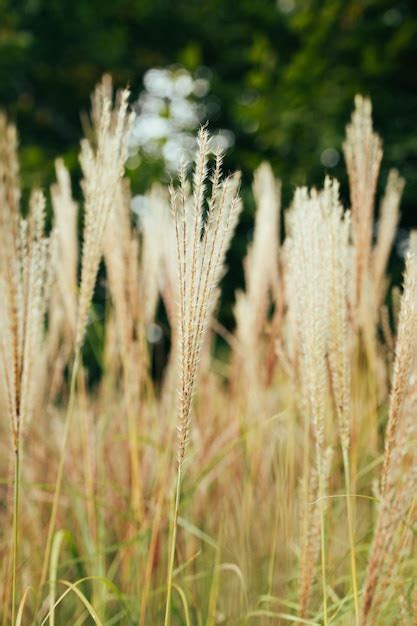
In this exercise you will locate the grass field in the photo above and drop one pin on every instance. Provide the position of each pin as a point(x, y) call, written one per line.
point(269, 483)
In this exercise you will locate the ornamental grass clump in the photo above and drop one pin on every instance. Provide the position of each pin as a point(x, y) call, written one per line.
point(102, 162)
point(284, 416)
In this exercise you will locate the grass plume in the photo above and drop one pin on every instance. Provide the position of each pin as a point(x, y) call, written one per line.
point(295, 470)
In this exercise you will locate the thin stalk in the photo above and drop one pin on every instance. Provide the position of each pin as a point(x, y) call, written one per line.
point(323, 545)
point(351, 532)
point(167, 620)
point(15, 528)
point(271, 568)
point(60, 473)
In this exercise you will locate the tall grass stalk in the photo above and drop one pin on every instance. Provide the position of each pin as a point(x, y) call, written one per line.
point(307, 223)
point(24, 281)
point(102, 160)
point(202, 241)
point(322, 495)
point(172, 548)
point(351, 530)
point(15, 528)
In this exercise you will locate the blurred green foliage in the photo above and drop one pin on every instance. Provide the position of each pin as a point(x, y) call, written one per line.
point(283, 75)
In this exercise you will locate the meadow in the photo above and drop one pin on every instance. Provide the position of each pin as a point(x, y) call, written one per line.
point(271, 482)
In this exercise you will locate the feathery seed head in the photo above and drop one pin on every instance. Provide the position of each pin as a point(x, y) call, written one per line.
point(202, 241)
point(103, 167)
point(24, 283)
point(363, 155)
point(319, 266)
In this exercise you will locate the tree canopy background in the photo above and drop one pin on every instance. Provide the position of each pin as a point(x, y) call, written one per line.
point(283, 77)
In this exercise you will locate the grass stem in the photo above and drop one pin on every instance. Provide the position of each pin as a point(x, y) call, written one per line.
point(323, 552)
point(167, 620)
point(15, 528)
point(351, 532)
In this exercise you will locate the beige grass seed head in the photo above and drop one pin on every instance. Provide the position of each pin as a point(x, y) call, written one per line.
point(102, 163)
point(202, 242)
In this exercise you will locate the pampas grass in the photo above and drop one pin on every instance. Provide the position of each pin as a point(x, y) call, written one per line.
point(24, 262)
point(202, 243)
point(397, 484)
point(102, 163)
point(290, 444)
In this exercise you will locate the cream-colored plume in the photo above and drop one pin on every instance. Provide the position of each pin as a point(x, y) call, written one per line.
point(363, 154)
point(102, 163)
